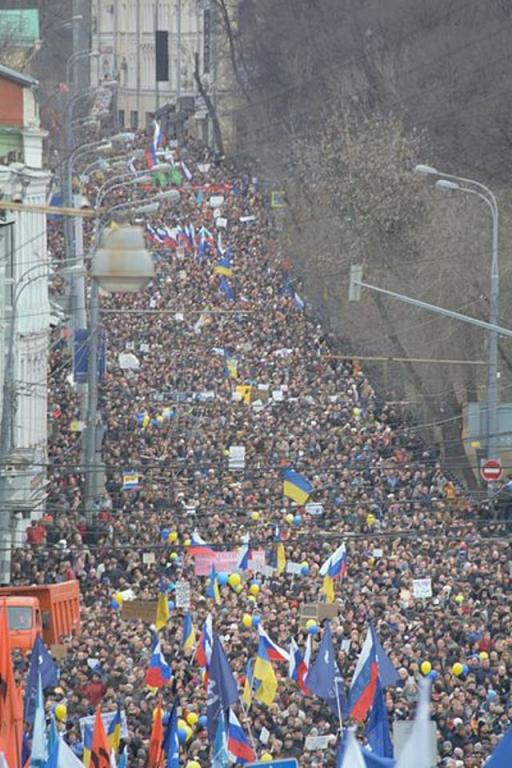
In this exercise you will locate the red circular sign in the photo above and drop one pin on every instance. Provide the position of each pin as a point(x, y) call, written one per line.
point(491, 470)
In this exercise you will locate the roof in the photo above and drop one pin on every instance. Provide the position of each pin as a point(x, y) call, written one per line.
point(17, 77)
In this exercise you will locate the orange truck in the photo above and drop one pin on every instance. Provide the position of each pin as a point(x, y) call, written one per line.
point(51, 610)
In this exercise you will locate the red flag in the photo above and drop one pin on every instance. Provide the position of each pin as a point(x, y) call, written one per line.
point(100, 750)
point(156, 753)
point(11, 711)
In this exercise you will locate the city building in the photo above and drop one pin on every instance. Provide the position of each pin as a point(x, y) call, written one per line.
point(24, 305)
point(123, 33)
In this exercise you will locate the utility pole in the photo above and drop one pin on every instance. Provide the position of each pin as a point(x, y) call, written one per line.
point(178, 56)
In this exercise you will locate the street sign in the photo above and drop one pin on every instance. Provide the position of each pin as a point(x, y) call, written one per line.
point(286, 763)
point(491, 471)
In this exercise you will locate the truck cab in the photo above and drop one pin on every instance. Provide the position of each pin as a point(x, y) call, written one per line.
point(23, 620)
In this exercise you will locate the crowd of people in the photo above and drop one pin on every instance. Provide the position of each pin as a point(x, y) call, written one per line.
point(171, 422)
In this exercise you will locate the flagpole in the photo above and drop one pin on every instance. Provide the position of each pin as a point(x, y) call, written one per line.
point(338, 704)
point(248, 723)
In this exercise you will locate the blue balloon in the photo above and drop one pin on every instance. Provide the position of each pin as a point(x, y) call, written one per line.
point(297, 520)
point(465, 669)
point(305, 570)
point(432, 675)
point(314, 630)
point(203, 721)
point(255, 620)
point(164, 534)
point(222, 578)
point(172, 606)
point(115, 605)
point(491, 695)
point(257, 582)
point(182, 735)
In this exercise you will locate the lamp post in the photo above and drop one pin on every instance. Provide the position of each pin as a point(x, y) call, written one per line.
point(112, 271)
point(71, 61)
point(450, 182)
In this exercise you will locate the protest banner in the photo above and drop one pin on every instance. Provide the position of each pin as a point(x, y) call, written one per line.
point(107, 717)
point(226, 561)
point(422, 588)
point(182, 596)
point(144, 610)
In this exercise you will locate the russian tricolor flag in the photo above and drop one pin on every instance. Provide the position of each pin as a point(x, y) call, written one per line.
point(336, 564)
point(274, 652)
point(198, 546)
point(299, 664)
point(158, 672)
point(205, 644)
point(239, 747)
point(373, 664)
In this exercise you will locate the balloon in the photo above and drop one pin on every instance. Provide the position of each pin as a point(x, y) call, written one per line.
point(171, 604)
point(491, 695)
point(297, 520)
point(457, 669)
point(314, 630)
point(255, 516)
point(465, 669)
point(305, 564)
point(172, 537)
point(266, 758)
point(119, 598)
point(192, 718)
point(432, 675)
point(61, 711)
point(425, 667)
point(255, 620)
point(356, 411)
point(234, 579)
point(310, 623)
point(289, 518)
point(203, 721)
point(193, 764)
point(251, 598)
point(115, 605)
point(181, 723)
point(222, 578)
point(189, 732)
point(238, 588)
point(164, 533)
point(483, 655)
point(182, 735)
point(370, 519)
point(459, 599)
point(304, 570)
point(247, 620)
point(254, 589)
point(187, 543)
point(173, 556)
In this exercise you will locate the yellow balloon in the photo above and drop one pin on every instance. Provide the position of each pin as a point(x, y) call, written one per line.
point(173, 556)
point(61, 711)
point(483, 655)
point(251, 598)
point(238, 588)
point(459, 599)
point(254, 589)
point(370, 520)
point(173, 536)
point(187, 544)
point(457, 669)
point(356, 411)
point(118, 598)
point(255, 516)
point(289, 518)
point(247, 620)
point(189, 732)
point(266, 758)
point(182, 723)
point(310, 623)
point(304, 564)
point(192, 718)
point(425, 667)
point(234, 579)
point(193, 764)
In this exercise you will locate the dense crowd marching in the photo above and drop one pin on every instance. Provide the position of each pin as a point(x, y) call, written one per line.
point(171, 422)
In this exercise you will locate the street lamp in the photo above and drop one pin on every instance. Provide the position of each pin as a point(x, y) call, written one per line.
point(71, 61)
point(452, 183)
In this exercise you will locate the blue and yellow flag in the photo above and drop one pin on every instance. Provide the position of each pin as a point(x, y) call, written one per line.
point(114, 731)
point(248, 685)
point(163, 613)
point(86, 754)
point(296, 487)
point(264, 672)
point(212, 589)
point(280, 558)
point(223, 267)
point(230, 367)
point(188, 638)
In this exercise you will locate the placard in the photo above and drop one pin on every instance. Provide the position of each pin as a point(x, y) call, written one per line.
point(264, 735)
point(216, 201)
point(266, 570)
point(221, 223)
point(294, 568)
point(422, 588)
point(182, 596)
point(139, 610)
point(317, 742)
point(236, 460)
point(59, 651)
point(226, 561)
point(148, 558)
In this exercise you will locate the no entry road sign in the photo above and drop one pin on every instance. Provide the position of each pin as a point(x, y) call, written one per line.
point(491, 471)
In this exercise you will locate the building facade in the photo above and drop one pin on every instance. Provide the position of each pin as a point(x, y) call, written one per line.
point(24, 306)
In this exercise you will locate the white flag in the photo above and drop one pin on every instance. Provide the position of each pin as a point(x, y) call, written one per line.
point(417, 750)
point(353, 757)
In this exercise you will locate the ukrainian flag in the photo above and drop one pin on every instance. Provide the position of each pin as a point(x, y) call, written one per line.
point(163, 613)
point(212, 589)
point(245, 392)
point(264, 672)
point(188, 638)
point(231, 367)
point(223, 267)
point(248, 685)
point(114, 731)
point(296, 487)
point(86, 754)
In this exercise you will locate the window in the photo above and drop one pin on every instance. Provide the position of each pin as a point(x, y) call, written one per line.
point(20, 617)
point(121, 118)
point(134, 119)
